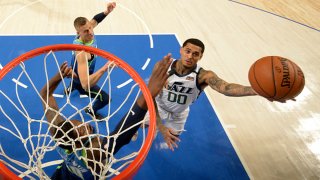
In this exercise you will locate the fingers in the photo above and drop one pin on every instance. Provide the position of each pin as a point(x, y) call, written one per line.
point(171, 139)
point(163, 66)
point(171, 144)
point(111, 64)
point(64, 69)
point(74, 75)
point(111, 6)
point(167, 61)
point(159, 75)
point(269, 99)
point(175, 138)
point(63, 66)
point(281, 101)
point(67, 71)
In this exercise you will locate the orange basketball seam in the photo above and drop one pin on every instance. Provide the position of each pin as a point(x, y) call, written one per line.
point(302, 82)
point(257, 82)
point(274, 79)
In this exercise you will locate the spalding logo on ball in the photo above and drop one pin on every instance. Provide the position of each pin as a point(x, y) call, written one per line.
point(276, 78)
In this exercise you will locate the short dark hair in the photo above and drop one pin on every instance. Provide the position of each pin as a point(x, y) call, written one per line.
point(64, 134)
point(196, 42)
point(80, 21)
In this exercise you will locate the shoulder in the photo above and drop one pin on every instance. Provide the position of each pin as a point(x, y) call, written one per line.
point(205, 77)
point(205, 74)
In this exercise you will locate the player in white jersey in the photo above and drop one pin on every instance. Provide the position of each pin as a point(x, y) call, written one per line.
point(183, 87)
point(180, 91)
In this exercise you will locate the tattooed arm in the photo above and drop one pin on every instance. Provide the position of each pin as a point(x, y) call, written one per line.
point(229, 89)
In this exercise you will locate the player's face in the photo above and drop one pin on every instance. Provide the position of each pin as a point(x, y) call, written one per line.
point(86, 32)
point(190, 55)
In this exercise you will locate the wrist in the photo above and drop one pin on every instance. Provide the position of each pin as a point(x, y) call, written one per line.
point(58, 77)
point(161, 127)
point(103, 70)
point(106, 12)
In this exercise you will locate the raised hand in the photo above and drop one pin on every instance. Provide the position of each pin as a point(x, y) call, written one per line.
point(159, 75)
point(110, 7)
point(67, 71)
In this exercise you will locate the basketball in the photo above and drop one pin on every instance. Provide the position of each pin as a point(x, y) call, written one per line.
point(276, 78)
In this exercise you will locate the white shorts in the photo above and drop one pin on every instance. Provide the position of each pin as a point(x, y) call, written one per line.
point(176, 121)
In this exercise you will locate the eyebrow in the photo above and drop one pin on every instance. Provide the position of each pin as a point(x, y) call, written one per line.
point(193, 52)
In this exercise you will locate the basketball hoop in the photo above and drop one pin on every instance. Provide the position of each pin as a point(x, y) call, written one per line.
point(125, 171)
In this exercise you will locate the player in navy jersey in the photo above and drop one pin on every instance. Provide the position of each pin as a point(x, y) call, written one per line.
point(85, 62)
point(73, 134)
point(187, 80)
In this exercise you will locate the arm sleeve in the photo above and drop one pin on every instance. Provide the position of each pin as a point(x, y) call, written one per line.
point(99, 17)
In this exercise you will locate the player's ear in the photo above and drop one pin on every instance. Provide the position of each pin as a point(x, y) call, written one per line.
point(181, 50)
point(201, 55)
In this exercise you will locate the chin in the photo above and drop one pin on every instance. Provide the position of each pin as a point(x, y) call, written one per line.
point(188, 65)
point(90, 38)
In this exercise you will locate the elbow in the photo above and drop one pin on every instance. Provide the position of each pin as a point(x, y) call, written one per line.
point(85, 86)
point(43, 93)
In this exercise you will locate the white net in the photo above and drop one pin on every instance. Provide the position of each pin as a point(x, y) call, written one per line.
point(26, 145)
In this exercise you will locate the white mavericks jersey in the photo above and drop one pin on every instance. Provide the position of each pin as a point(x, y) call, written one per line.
point(179, 92)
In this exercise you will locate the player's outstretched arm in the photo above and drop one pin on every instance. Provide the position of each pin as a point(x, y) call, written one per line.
point(46, 92)
point(129, 122)
point(156, 83)
point(228, 89)
point(100, 17)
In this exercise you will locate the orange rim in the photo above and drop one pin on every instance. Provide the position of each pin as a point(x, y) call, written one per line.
point(137, 162)
point(6, 173)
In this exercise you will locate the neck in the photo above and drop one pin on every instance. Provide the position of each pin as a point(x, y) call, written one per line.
point(181, 69)
point(82, 40)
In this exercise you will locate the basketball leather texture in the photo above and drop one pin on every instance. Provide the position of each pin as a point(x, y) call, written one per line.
point(276, 78)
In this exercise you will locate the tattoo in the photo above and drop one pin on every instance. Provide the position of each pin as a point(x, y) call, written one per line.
point(229, 87)
point(223, 87)
point(238, 90)
point(215, 83)
point(248, 90)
